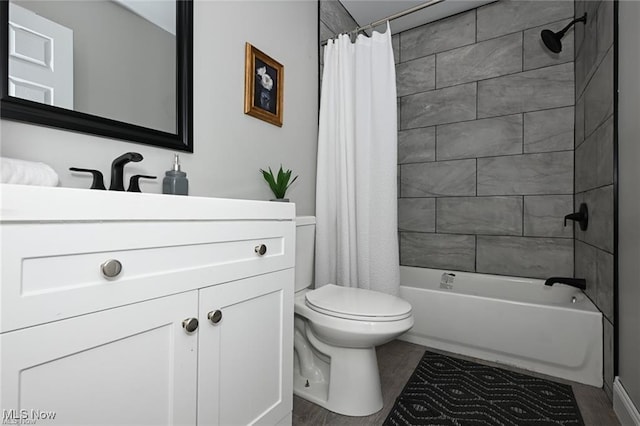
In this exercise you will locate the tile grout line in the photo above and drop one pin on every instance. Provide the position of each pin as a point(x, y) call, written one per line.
point(475, 13)
point(475, 253)
point(490, 78)
point(435, 208)
point(523, 210)
point(522, 52)
point(520, 237)
point(523, 114)
point(492, 117)
point(493, 196)
point(476, 177)
point(477, 100)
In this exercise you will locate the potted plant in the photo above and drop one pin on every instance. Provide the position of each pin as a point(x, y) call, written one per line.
point(278, 183)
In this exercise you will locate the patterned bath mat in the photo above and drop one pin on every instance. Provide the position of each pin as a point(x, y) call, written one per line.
point(448, 391)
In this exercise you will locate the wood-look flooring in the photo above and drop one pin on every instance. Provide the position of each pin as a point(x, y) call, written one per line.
point(398, 359)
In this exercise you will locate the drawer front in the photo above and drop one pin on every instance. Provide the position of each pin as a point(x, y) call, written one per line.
point(53, 271)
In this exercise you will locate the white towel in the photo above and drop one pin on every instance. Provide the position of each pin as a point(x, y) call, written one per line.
point(23, 172)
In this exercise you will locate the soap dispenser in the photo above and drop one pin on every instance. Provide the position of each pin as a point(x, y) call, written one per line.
point(175, 181)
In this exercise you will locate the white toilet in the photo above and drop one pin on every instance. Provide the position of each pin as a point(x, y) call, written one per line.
point(336, 332)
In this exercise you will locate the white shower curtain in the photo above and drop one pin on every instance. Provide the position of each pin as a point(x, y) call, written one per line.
point(356, 189)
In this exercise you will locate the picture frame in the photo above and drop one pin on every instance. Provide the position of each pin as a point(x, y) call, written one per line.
point(263, 86)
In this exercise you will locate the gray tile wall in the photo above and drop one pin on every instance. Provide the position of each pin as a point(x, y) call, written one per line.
point(594, 161)
point(334, 19)
point(485, 141)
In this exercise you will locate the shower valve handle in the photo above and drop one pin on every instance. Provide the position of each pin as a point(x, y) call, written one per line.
point(581, 216)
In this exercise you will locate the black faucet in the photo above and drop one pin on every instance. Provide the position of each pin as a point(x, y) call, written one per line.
point(117, 169)
point(580, 283)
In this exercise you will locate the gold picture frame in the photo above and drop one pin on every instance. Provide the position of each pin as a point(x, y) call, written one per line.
point(263, 86)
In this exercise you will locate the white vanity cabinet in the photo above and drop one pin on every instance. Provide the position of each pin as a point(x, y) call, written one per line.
point(128, 365)
point(98, 292)
point(244, 346)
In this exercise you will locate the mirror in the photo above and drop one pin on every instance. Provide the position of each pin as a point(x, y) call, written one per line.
point(115, 68)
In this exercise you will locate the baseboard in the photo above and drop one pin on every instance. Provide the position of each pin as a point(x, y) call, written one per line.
point(624, 408)
point(286, 420)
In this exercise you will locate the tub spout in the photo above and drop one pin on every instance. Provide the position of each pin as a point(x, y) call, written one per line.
point(580, 283)
point(446, 281)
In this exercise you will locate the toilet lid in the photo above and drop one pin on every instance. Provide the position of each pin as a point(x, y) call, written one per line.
point(357, 303)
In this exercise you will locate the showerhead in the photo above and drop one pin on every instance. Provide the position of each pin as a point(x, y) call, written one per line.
point(553, 41)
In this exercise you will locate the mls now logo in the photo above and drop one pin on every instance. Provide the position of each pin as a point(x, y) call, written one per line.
point(25, 416)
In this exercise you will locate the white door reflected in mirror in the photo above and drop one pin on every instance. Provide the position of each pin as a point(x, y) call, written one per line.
point(122, 58)
point(40, 59)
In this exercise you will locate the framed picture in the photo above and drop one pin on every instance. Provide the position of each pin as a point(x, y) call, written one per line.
point(263, 86)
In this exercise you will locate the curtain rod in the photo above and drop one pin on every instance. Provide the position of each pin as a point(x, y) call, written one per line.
point(390, 18)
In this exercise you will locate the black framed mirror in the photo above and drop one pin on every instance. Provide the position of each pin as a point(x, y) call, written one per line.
point(16, 105)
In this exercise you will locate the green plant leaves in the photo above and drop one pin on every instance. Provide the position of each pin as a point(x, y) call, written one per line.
point(280, 183)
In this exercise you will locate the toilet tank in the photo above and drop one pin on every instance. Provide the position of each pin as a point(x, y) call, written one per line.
point(305, 249)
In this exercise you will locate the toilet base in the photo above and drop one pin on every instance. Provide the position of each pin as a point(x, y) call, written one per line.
point(353, 388)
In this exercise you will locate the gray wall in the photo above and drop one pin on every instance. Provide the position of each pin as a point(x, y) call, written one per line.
point(485, 144)
point(229, 146)
point(124, 66)
point(594, 247)
point(629, 201)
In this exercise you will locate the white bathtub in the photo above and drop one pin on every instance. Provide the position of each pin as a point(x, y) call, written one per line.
point(515, 321)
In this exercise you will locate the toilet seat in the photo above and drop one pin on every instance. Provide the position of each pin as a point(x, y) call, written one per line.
point(357, 304)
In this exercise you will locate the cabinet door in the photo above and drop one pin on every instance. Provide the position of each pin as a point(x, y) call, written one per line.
point(245, 359)
point(129, 365)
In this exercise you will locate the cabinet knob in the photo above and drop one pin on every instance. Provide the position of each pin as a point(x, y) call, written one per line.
point(190, 324)
point(215, 316)
point(111, 268)
point(261, 249)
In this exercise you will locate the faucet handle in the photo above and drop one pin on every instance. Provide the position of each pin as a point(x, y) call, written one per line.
point(98, 179)
point(134, 182)
point(581, 216)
